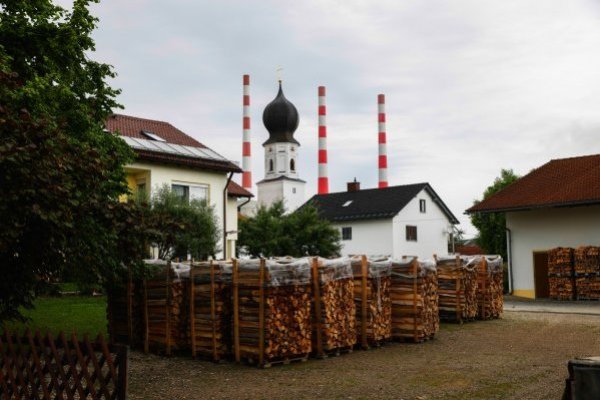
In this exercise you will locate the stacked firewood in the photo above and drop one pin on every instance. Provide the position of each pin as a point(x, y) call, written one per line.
point(334, 311)
point(587, 272)
point(211, 309)
point(457, 288)
point(125, 313)
point(415, 315)
point(490, 279)
point(560, 261)
point(372, 283)
point(587, 260)
point(561, 278)
point(166, 299)
point(272, 310)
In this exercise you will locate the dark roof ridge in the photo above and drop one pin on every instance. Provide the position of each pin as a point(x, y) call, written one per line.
point(374, 203)
point(389, 187)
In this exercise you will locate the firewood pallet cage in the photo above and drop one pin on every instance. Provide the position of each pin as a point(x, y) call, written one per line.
point(490, 290)
point(372, 282)
point(166, 307)
point(561, 274)
point(587, 272)
point(272, 311)
point(125, 313)
point(415, 314)
point(334, 311)
point(211, 309)
point(457, 288)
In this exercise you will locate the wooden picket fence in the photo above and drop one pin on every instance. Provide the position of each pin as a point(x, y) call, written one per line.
point(35, 366)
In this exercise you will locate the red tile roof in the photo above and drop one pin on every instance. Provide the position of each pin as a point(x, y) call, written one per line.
point(132, 127)
point(235, 190)
point(563, 182)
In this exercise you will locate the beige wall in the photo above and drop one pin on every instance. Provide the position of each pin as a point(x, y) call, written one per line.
point(156, 175)
point(542, 230)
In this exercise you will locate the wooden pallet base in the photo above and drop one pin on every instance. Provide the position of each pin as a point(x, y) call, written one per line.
point(409, 339)
point(335, 352)
point(276, 361)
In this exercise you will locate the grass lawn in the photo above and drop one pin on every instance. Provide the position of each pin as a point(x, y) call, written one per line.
point(82, 314)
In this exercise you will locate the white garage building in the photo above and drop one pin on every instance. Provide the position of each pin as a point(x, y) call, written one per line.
point(556, 205)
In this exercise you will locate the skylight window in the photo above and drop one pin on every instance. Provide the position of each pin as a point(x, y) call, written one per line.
point(152, 136)
point(346, 204)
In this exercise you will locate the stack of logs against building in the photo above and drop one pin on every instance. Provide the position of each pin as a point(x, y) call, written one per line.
point(574, 273)
point(561, 279)
point(270, 311)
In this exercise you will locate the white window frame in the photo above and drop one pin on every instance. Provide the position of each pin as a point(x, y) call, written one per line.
point(191, 187)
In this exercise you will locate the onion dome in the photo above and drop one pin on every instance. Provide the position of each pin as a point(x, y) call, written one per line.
point(281, 120)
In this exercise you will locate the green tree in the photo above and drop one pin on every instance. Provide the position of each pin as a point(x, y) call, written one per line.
point(491, 226)
point(178, 228)
point(61, 175)
point(272, 232)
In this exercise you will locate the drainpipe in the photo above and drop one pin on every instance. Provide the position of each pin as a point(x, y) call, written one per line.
point(509, 254)
point(225, 216)
point(239, 208)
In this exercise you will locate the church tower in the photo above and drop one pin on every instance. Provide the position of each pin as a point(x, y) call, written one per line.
point(281, 181)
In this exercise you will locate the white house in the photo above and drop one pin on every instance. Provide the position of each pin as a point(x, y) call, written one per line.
point(167, 156)
point(555, 205)
point(395, 221)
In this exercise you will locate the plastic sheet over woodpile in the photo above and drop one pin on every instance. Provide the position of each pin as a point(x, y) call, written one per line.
point(457, 288)
point(334, 322)
point(372, 282)
point(490, 291)
point(211, 309)
point(561, 275)
point(414, 295)
point(587, 272)
point(272, 311)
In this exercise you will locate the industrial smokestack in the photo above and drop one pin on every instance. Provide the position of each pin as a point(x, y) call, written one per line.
point(246, 146)
point(383, 178)
point(323, 178)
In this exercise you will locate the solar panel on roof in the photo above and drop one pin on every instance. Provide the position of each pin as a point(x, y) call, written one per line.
point(170, 148)
point(196, 151)
point(166, 148)
point(185, 150)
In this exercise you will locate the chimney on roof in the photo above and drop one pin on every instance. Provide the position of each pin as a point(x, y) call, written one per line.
point(353, 186)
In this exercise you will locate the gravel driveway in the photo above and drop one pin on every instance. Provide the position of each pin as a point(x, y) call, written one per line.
point(522, 356)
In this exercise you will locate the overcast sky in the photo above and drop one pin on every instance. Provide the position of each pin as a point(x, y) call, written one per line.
point(471, 86)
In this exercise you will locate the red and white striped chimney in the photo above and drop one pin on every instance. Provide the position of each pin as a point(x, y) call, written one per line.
point(383, 178)
point(323, 178)
point(246, 146)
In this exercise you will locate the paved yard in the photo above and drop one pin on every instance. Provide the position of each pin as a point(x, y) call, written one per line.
point(522, 356)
